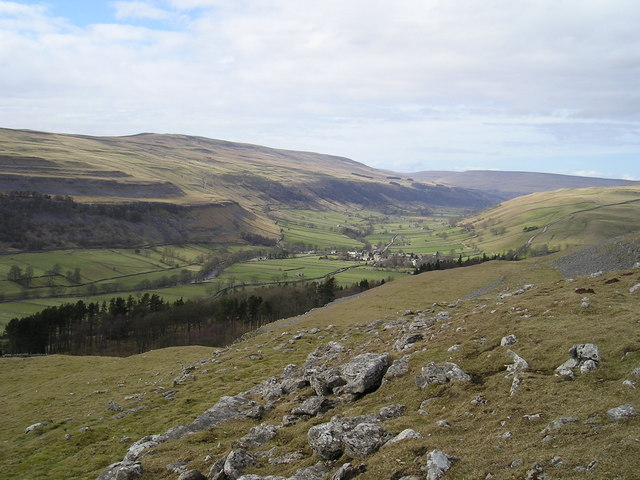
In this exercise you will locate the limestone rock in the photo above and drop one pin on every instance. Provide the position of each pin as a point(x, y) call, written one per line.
point(440, 374)
point(406, 434)
point(406, 341)
point(558, 423)
point(35, 426)
point(326, 440)
point(518, 364)
point(365, 439)
point(236, 462)
point(398, 368)
point(364, 373)
point(621, 412)
point(313, 406)
point(585, 357)
point(438, 463)
point(122, 471)
point(508, 340)
point(192, 475)
point(257, 436)
point(392, 411)
point(347, 471)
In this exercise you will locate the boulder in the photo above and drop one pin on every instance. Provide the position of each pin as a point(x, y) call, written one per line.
point(257, 436)
point(558, 423)
point(192, 475)
point(313, 406)
point(236, 462)
point(347, 471)
point(122, 471)
point(438, 463)
point(392, 411)
point(365, 439)
point(364, 373)
point(508, 340)
point(406, 434)
point(35, 426)
point(621, 412)
point(398, 368)
point(585, 357)
point(406, 341)
point(326, 440)
point(440, 374)
point(518, 364)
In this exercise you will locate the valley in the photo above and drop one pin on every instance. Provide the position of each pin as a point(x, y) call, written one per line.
point(289, 279)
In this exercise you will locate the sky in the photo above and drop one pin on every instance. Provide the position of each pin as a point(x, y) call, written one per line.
point(405, 85)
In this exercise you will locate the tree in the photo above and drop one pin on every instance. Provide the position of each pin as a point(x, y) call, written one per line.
point(15, 274)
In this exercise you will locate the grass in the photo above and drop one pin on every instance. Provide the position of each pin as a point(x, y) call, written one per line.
point(575, 218)
point(36, 389)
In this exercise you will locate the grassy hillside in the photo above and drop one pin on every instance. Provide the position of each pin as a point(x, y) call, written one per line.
point(560, 220)
point(514, 184)
point(494, 436)
point(187, 170)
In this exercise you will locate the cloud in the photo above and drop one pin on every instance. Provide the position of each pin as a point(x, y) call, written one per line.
point(139, 10)
point(413, 84)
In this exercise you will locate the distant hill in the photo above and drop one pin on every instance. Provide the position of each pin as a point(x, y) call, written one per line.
point(558, 220)
point(194, 170)
point(513, 184)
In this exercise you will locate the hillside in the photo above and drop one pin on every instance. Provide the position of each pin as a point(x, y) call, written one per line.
point(501, 412)
point(513, 184)
point(559, 220)
point(193, 170)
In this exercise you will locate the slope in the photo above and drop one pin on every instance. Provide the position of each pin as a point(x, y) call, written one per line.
point(187, 170)
point(455, 316)
point(559, 220)
point(513, 184)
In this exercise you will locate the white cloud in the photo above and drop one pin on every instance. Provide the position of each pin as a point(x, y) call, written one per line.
point(139, 10)
point(415, 84)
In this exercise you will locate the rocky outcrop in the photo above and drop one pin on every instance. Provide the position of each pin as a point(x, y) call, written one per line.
point(585, 357)
point(440, 374)
point(438, 463)
point(622, 412)
point(358, 437)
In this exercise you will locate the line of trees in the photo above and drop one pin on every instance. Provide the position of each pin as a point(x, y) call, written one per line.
point(125, 326)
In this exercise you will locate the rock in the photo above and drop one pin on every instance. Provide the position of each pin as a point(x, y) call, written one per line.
point(443, 316)
point(508, 340)
point(122, 471)
point(392, 411)
point(453, 348)
point(440, 374)
point(236, 462)
point(479, 400)
point(635, 288)
point(115, 406)
point(398, 368)
point(438, 463)
point(443, 424)
point(257, 436)
point(585, 357)
point(636, 372)
point(192, 475)
point(518, 364)
point(316, 472)
point(326, 440)
point(558, 423)
point(287, 458)
point(406, 434)
point(325, 381)
point(364, 373)
point(630, 383)
point(313, 406)
point(365, 439)
point(177, 467)
point(536, 473)
point(35, 426)
point(347, 471)
point(184, 377)
point(515, 385)
point(621, 412)
point(406, 341)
